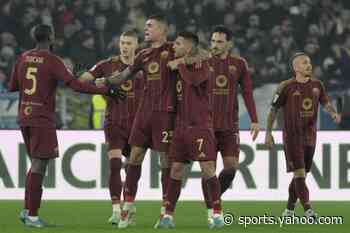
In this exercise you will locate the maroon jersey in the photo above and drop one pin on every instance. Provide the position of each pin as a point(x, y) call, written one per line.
point(117, 111)
point(300, 102)
point(228, 74)
point(193, 98)
point(159, 92)
point(36, 75)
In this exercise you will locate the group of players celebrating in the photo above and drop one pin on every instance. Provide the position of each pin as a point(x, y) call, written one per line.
point(174, 99)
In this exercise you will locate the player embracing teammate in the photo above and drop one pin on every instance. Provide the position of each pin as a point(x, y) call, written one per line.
point(119, 114)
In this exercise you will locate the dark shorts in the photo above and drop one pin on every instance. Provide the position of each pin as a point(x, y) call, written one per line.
point(152, 130)
point(193, 144)
point(40, 142)
point(298, 157)
point(117, 137)
point(227, 143)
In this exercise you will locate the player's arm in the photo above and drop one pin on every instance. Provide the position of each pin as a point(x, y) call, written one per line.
point(199, 56)
point(195, 58)
point(14, 83)
point(117, 78)
point(86, 77)
point(271, 117)
point(60, 72)
point(247, 93)
point(277, 102)
point(95, 72)
point(328, 107)
point(192, 78)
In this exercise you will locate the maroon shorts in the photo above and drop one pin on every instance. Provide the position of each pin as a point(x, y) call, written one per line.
point(152, 130)
point(298, 157)
point(227, 142)
point(40, 142)
point(193, 144)
point(117, 136)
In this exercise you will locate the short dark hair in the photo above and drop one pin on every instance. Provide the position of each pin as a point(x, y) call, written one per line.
point(131, 33)
point(42, 33)
point(190, 36)
point(160, 18)
point(223, 29)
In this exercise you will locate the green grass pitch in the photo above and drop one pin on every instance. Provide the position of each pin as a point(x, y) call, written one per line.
point(91, 216)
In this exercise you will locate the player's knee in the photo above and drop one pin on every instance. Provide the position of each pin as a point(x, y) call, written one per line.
point(230, 163)
point(208, 170)
point(299, 173)
point(114, 154)
point(137, 155)
point(164, 161)
point(39, 166)
point(177, 171)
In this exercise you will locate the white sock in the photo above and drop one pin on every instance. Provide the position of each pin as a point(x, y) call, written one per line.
point(128, 205)
point(162, 210)
point(33, 218)
point(210, 213)
point(116, 207)
point(168, 216)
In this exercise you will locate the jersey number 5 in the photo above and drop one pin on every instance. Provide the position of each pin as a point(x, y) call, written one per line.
point(31, 72)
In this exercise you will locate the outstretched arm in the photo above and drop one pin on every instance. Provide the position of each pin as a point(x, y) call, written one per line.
point(117, 78)
point(86, 77)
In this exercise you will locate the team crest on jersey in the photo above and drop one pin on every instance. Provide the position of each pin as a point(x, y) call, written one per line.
point(153, 67)
point(307, 104)
point(164, 55)
point(316, 91)
point(127, 86)
point(232, 69)
point(211, 69)
point(28, 110)
point(179, 86)
point(221, 81)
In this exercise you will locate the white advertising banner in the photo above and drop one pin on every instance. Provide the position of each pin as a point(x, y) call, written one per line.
point(81, 171)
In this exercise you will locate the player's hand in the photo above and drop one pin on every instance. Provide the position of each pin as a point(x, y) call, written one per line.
point(269, 140)
point(336, 118)
point(115, 74)
point(116, 92)
point(254, 130)
point(78, 70)
point(100, 82)
point(174, 63)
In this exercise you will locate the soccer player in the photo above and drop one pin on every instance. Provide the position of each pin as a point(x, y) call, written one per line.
point(194, 138)
point(154, 120)
point(120, 114)
point(299, 98)
point(36, 75)
point(229, 72)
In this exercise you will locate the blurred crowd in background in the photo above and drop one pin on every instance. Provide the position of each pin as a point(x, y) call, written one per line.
point(266, 33)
